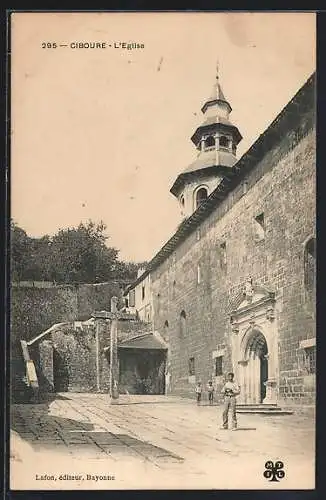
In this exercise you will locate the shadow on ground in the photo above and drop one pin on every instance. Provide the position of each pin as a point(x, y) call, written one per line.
point(43, 431)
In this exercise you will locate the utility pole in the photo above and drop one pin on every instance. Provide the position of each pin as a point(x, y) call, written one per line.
point(114, 366)
point(97, 346)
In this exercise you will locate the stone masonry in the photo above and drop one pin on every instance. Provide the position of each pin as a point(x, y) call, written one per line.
point(281, 186)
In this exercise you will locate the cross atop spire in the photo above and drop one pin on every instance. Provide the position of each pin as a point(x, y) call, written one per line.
point(217, 69)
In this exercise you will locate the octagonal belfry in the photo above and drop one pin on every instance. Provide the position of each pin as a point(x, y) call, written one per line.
point(216, 141)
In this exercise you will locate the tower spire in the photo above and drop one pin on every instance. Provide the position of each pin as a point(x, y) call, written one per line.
point(217, 93)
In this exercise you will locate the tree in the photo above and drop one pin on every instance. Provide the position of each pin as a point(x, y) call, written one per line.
point(80, 254)
point(19, 251)
point(38, 266)
point(73, 255)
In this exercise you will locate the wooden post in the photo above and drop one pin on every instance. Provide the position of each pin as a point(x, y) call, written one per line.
point(97, 347)
point(114, 316)
point(114, 370)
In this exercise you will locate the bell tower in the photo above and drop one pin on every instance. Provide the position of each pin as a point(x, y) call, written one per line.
point(216, 141)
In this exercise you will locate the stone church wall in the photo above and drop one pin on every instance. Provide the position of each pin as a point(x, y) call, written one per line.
point(228, 247)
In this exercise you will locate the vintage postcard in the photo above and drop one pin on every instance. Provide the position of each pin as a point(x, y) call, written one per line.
point(162, 250)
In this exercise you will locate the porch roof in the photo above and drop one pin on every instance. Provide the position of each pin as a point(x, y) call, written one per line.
point(146, 341)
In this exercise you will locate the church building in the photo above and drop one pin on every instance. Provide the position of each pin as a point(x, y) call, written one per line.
point(234, 288)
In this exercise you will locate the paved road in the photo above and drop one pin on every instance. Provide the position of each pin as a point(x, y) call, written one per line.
point(153, 442)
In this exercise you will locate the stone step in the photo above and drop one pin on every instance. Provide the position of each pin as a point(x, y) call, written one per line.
point(266, 412)
point(267, 409)
point(259, 406)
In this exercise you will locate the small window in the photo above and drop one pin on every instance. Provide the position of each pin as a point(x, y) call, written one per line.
point(173, 291)
point(259, 227)
point(309, 265)
point(126, 302)
point(198, 234)
point(132, 298)
point(191, 366)
point(244, 187)
point(218, 366)
point(158, 303)
point(223, 255)
point(182, 201)
point(143, 292)
point(201, 196)
point(198, 274)
point(310, 359)
point(224, 141)
point(183, 324)
point(166, 330)
point(210, 141)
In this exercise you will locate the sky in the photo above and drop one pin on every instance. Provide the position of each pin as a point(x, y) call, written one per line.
point(102, 134)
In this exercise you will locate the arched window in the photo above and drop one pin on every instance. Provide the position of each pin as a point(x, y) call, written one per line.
point(173, 290)
point(259, 227)
point(191, 365)
point(201, 196)
point(224, 141)
point(183, 324)
point(182, 201)
point(309, 265)
point(210, 141)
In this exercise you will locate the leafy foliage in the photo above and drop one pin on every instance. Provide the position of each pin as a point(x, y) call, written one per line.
point(73, 255)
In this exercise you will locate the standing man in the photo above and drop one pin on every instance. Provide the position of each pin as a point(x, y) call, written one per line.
point(230, 391)
point(198, 391)
point(210, 390)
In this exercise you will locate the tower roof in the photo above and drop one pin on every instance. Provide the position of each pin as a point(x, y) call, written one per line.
point(216, 94)
point(214, 155)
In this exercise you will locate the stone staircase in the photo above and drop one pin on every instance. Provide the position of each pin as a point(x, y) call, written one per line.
point(263, 409)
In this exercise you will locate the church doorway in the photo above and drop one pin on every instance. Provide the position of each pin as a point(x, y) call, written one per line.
point(254, 342)
point(263, 371)
point(255, 368)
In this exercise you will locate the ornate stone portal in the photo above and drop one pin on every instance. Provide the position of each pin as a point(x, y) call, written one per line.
point(254, 345)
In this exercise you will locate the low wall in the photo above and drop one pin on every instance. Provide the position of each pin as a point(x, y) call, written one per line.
point(34, 309)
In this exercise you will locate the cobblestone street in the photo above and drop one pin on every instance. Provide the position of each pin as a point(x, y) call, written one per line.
point(154, 442)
